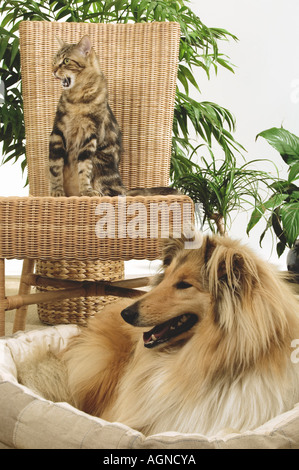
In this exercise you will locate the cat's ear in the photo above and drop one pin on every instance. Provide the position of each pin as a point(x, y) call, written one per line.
point(60, 41)
point(84, 45)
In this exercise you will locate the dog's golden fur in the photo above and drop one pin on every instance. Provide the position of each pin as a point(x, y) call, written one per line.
point(231, 369)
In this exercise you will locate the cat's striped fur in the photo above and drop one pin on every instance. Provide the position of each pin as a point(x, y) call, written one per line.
point(85, 143)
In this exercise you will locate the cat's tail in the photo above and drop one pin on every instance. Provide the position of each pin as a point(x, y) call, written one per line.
point(156, 191)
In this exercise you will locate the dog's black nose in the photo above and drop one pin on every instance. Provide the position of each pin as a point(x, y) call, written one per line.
point(130, 314)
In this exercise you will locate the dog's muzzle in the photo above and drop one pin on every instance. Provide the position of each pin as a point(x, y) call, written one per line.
point(131, 313)
point(162, 332)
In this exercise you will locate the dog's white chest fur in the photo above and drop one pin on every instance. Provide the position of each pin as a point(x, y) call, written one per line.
point(148, 394)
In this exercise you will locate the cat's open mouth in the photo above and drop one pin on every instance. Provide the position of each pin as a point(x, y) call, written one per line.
point(66, 82)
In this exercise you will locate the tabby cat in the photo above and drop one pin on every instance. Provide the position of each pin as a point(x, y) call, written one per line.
point(85, 143)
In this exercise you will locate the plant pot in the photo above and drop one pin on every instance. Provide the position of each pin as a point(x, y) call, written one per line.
point(293, 259)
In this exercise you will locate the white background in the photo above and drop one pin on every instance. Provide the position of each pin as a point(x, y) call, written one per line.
point(263, 92)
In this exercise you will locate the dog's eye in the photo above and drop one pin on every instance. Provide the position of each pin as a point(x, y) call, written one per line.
point(183, 285)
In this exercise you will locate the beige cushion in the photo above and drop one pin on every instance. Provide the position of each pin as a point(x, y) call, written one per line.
point(28, 421)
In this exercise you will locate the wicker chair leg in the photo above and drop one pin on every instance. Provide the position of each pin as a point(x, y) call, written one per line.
point(2, 297)
point(24, 288)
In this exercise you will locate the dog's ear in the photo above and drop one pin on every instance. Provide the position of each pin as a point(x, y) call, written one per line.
point(232, 275)
point(208, 248)
point(170, 249)
point(227, 265)
point(214, 269)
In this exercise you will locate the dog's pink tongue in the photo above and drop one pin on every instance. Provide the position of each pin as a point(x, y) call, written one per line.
point(156, 333)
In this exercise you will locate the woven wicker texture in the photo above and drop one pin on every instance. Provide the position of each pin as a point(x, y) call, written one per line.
point(89, 238)
point(80, 309)
point(93, 228)
point(140, 64)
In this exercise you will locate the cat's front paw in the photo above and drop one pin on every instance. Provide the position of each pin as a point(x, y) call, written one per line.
point(90, 193)
point(57, 193)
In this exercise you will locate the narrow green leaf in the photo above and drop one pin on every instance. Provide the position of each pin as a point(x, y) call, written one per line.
point(280, 247)
point(183, 80)
point(3, 46)
point(14, 51)
point(188, 74)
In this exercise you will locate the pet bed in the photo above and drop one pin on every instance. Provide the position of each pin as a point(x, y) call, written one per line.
point(28, 421)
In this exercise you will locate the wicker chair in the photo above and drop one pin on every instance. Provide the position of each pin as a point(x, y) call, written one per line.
point(79, 240)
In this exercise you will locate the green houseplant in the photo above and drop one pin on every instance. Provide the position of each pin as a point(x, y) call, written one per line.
point(198, 48)
point(222, 187)
point(281, 209)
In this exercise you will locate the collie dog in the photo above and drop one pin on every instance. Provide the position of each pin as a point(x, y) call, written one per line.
point(208, 348)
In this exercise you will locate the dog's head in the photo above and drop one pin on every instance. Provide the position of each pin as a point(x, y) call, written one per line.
point(221, 284)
